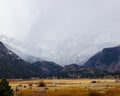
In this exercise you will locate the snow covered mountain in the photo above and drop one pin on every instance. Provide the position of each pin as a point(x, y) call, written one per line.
point(18, 48)
point(69, 51)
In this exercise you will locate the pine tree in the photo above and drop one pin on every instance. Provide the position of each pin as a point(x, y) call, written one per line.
point(5, 88)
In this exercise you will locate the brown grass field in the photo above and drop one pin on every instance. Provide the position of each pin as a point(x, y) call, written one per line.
point(66, 87)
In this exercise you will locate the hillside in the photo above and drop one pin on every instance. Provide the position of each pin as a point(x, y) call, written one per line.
point(100, 65)
point(12, 66)
point(108, 59)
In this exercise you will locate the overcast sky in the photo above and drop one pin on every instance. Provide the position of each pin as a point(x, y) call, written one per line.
point(35, 20)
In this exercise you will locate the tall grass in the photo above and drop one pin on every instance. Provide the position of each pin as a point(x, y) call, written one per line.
point(67, 92)
point(71, 92)
point(113, 92)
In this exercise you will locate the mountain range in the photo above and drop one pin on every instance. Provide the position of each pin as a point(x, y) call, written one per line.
point(101, 64)
point(72, 50)
point(12, 66)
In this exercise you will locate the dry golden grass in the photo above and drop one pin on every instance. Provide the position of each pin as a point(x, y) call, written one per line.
point(67, 92)
point(71, 92)
point(113, 92)
point(68, 87)
point(25, 92)
point(60, 81)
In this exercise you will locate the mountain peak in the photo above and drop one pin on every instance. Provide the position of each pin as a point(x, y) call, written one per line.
point(1, 44)
point(2, 47)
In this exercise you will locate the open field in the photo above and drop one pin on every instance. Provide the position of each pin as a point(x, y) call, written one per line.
point(66, 87)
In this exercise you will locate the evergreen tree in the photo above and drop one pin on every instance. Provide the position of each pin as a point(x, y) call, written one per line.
point(5, 88)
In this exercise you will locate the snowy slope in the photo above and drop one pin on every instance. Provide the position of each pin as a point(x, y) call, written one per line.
point(71, 50)
point(18, 47)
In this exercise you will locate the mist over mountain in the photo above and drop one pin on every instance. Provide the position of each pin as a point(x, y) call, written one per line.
point(70, 51)
point(64, 31)
point(17, 47)
point(12, 66)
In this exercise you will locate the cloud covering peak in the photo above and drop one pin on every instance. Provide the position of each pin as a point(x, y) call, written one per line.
point(55, 21)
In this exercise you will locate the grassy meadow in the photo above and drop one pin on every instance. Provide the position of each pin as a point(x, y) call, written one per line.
point(66, 87)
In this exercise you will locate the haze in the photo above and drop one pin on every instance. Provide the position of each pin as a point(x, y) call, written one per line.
point(55, 21)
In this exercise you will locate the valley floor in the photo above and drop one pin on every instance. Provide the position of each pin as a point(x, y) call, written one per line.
point(66, 87)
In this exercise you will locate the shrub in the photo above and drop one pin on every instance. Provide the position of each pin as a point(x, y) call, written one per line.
point(24, 86)
point(30, 85)
point(41, 84)
point(94, 82)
